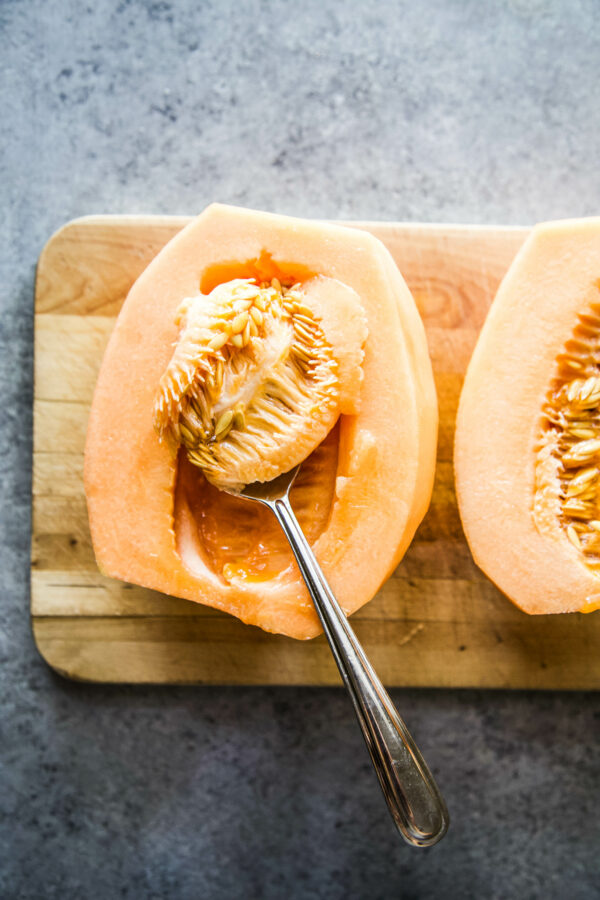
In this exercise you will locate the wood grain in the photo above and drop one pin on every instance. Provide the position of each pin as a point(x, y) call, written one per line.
point(438, 621)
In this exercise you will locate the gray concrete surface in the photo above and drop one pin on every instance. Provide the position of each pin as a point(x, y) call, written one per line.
point(434, 111)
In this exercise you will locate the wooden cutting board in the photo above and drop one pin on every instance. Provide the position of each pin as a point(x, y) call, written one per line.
point(438, 621)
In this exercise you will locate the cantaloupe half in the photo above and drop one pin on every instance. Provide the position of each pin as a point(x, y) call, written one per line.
point(527, 451)
point(156, 521)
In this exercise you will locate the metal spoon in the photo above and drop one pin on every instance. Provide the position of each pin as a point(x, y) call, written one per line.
point(411, 793)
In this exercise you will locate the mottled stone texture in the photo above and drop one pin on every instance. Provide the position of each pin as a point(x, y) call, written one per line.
point(434, 111)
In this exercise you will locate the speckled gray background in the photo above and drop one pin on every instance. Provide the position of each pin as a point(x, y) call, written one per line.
point(434, 111)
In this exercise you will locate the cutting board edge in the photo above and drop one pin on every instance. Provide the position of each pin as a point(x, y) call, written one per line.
point(157, 219)
point(60, 666)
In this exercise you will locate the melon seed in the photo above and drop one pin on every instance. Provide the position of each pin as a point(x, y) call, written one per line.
point(223, 424)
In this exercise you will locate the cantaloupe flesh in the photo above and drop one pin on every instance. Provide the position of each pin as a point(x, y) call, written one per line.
point(553, 279)
point(256, 550)
point(338, 310)
point(385, 457)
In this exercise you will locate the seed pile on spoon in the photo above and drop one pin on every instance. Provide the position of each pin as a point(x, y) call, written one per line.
point(252, 386)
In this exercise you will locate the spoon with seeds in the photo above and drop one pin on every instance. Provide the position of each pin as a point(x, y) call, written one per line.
point(253, 386)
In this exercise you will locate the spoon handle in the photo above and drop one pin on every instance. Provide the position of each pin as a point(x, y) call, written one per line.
point(411, 793)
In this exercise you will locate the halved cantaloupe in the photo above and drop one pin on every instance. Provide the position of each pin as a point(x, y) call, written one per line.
point(156, 521)
point(527, 452)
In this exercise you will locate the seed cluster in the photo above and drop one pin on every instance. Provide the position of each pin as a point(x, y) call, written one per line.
point(243, 328)
point(571, 434)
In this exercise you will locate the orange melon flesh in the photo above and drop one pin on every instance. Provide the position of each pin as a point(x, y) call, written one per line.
point(156, 522)
point(256, 550)
point(339, 314)
point(553, 280)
